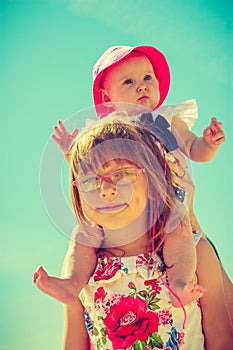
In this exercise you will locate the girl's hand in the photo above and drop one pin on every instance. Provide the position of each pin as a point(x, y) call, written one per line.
point(214, 135)
point(63, 138)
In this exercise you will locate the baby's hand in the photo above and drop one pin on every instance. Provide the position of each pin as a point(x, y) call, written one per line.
point(214, 135)
point(63, 138)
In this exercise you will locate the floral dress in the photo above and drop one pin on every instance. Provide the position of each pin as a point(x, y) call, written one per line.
point(127, 306)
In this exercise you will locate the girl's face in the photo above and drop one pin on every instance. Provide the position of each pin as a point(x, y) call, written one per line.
point(112, 200)
point(131, 81)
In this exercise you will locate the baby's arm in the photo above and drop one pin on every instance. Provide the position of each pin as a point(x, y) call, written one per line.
point(199, 149)
point(216, 321)
point(64, 139)
point(79, 264)
point(179, 255)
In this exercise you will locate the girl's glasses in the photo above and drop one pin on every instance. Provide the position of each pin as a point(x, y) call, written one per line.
point(118, 177)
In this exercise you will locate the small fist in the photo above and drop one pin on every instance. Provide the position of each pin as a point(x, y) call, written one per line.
point(214, 135)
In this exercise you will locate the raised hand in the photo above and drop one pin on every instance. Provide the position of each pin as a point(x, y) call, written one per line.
point(214, 135)
point(63, 138)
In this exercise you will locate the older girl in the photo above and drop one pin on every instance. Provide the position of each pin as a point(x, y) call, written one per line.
point(122, 196)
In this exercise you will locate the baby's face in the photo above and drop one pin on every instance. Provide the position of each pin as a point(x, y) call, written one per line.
point(131, 81)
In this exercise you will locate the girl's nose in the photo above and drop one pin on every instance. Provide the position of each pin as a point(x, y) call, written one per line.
point(108, 190)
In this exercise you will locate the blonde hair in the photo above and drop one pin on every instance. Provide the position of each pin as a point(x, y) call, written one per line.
point(119, 139)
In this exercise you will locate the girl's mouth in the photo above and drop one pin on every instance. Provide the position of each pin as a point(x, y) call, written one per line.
point(112, 208)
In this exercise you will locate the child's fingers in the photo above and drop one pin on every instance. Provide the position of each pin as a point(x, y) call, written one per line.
point(184, 182)
point(74, 133)
point(207, 133)
point(56, 139)
point(219, 138)
point(215, 121)
point(61, 125)
point(218, 125)
point(213, 129)
point(59, 132)
point(35, 277)
point(173, 167)
point(180, 176)
point(215, 125)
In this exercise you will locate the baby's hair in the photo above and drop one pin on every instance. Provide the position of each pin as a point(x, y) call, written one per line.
point(124, 141)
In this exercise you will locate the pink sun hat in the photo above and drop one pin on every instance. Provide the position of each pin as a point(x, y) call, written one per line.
point(116, 54)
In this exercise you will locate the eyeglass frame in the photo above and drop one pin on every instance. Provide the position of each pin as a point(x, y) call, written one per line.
point(108, 178)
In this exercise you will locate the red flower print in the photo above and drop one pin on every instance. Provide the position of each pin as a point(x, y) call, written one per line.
point(181, 338)
point(129, 321)
point(99, 297)
point(154, 285)
point(142, 259)
point(100, 294)
point(107, 269)
point(131, 285)
point(108, 303)
point(165, 316)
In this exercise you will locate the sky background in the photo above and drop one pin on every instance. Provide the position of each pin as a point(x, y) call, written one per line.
point(47, 51)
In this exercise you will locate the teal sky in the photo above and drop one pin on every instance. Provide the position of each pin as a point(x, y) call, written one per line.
point(47, 50)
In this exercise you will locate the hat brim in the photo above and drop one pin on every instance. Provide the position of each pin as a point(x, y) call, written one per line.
point(160, 66)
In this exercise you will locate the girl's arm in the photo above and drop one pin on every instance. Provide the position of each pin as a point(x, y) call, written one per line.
point(75, 333)
point(199, 149)
point(216, 321)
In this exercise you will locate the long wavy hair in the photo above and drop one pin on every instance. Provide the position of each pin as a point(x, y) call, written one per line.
point(119, 139)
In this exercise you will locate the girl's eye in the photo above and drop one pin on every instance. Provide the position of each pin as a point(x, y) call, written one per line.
point(147, 77)
point(128, 81)
point(118, 175)
point(87, 180)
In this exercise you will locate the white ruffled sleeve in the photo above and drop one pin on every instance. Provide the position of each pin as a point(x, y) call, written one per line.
point(186, 110)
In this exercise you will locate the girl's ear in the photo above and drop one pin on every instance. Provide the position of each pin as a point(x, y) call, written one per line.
point(105, 98)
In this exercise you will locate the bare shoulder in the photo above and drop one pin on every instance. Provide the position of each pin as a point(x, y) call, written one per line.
point(209, 270)
point(204, 244)
point(206, 248)
point(206, 254)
